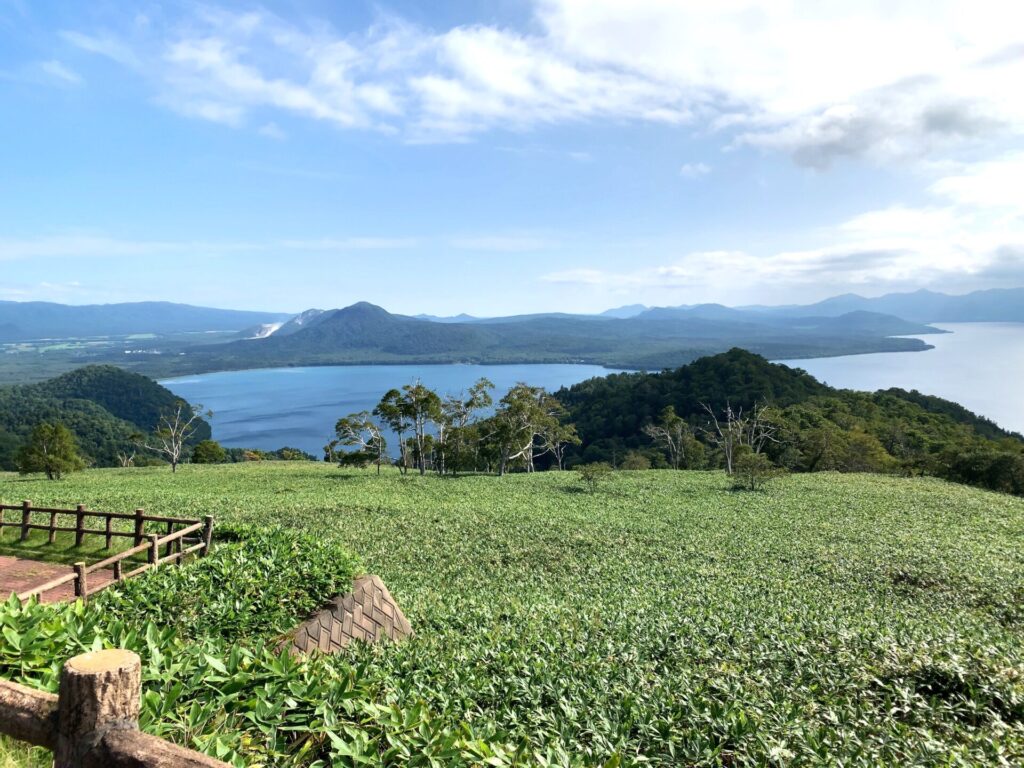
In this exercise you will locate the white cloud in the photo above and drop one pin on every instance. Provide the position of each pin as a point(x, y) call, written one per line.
point(694, 170)
point(820, 81)
point(60, 72)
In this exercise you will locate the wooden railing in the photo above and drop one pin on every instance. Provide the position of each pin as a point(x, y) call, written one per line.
point(193, 538)
point(94, 720)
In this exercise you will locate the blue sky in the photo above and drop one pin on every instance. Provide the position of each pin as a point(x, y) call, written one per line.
point(503, 157)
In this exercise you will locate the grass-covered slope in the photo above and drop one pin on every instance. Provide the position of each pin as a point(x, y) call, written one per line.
point(663, 620)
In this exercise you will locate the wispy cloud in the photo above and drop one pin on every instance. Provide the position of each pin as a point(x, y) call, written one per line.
point(103, 45)
point(103, 246)
point(58, 71)
point(503, 243)
point(272, 131)
point(694, 170)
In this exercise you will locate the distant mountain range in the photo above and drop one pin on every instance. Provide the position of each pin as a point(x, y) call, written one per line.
point(995, 305)
point(33, 320)
point(633, 336)
point(659, 338)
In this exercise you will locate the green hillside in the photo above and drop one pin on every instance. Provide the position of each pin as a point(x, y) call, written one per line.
point(818, 427)
point(664, 620)
point(103, 405)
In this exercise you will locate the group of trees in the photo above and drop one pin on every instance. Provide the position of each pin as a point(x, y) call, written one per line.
point(457, 433)
point(736, 412)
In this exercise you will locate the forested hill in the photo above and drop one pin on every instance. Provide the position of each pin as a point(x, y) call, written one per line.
point(819, 427)
point(103, 405)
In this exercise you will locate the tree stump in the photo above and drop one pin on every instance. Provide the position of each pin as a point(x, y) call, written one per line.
point(99, 693)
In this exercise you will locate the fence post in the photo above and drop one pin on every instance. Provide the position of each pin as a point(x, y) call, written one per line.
point(99, 693)
point(117, 570)
point(167, 548)
point(110, 536)
point(26, 510)
point(79, 524)
point(154, 550)
point(53, 528)
point(138, 526)
point(81, 582)
point(207, 534)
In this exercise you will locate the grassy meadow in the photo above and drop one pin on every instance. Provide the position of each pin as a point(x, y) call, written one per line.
point(662, 620)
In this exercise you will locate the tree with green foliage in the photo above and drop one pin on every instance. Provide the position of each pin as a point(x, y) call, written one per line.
point(359, 431)
point(51, 449)
point(593, 474)
point(392, 410)
point(456, 438)
point(421, 407)
point(556, 434)
point(288, 453)
point(209, 452)
point(751, 471)
point(635, 461)
point(518, 428)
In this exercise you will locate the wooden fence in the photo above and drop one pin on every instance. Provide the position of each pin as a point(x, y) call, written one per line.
point(93, 722)
point(193, 537)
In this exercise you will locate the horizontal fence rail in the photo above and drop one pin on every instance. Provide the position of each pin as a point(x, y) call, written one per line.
point(93, 722)
point(179, 538)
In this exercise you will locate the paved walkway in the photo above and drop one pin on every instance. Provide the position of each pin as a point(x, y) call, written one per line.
point(18, 574)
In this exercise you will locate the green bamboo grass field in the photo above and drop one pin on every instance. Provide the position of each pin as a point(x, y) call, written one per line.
point(662, 620)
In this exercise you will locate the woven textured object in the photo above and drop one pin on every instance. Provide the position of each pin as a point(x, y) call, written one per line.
point(368, 613)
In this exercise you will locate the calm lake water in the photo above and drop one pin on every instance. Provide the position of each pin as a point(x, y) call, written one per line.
point(298, 407)
point(979, 365)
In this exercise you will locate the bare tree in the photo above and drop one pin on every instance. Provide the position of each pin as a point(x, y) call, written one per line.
point(727, 435)
point(670, 432)
point(759, 428)
point(174, 430)
point(126, 459)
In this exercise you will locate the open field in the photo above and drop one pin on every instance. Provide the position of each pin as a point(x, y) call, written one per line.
point(851, 619)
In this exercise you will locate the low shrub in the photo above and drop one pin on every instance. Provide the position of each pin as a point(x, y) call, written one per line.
point(256, 583)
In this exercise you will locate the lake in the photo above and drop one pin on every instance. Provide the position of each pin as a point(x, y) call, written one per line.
point(979, 365)
point(298, 407)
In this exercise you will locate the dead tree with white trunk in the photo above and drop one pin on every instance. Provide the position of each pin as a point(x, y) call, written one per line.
point(175, 429)
point(726, 433)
